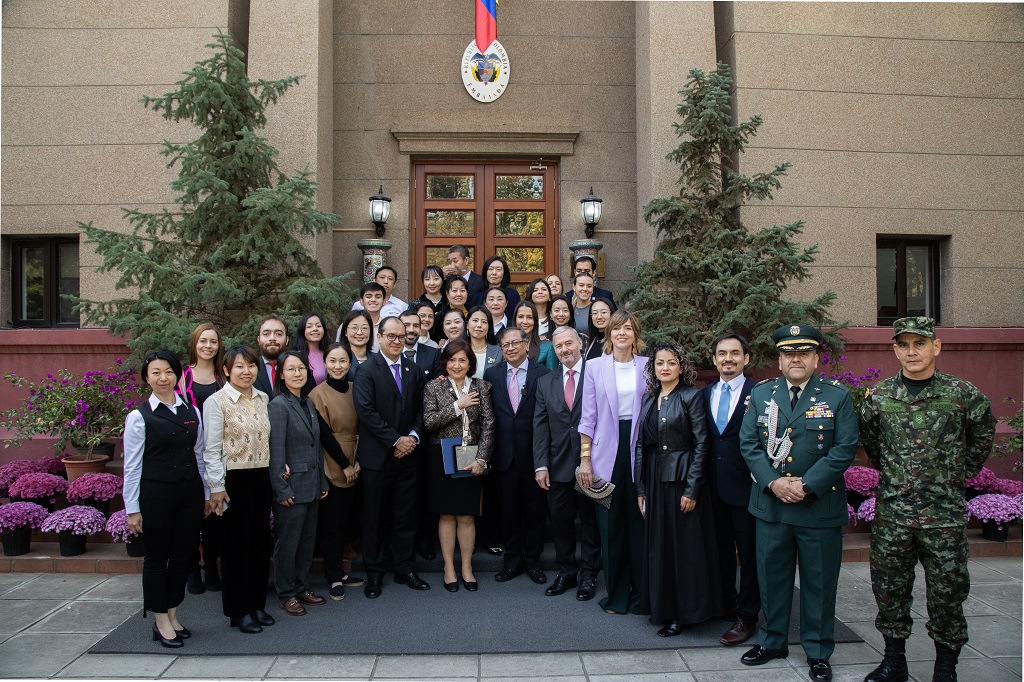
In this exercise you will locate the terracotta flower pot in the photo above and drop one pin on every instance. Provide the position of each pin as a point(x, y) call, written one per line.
point(78, 466)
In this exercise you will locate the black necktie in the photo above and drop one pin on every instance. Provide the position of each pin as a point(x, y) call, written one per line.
point(796, 396)
point(411, 354)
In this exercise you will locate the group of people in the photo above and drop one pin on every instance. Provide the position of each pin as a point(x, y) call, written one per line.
point(465, 427)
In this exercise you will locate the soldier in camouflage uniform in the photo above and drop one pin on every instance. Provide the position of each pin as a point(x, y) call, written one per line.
point(926, 432)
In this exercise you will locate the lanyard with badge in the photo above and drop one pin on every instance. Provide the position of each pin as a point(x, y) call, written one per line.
point(465, 454)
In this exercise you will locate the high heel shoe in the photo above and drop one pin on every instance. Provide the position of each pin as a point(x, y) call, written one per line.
point(184, 633)
point(175, 643)
point(471, 585)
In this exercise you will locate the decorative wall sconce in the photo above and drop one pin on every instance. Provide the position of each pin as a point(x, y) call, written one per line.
point(590, 207)
point(380, 209)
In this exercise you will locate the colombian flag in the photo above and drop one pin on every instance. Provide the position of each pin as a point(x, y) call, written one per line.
point(486, 24)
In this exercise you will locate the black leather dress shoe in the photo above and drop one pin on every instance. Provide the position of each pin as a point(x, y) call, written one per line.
point(586, 590)
point(537, 575)
point(452, 587)
point(263, 618)
point(373, 588)
point(760, 655)
point(471, 585)
point(175, 643)
point(246, 624)
point(184, 633)
point(506, 574)
point(412, 581)
point(562, 583)
point(819, 669)
point(671, 630)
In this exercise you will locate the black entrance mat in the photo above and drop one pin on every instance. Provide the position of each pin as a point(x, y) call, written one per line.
point(507, 617)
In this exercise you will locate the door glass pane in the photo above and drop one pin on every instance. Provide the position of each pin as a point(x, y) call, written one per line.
point(438, 255)
point(32, 280)
point(450, 186)
point(519, 186)
point(450, 222)
point(919, 280)
point(523, 259)
point(885, 268)
point(67, 281)
point(519, 222)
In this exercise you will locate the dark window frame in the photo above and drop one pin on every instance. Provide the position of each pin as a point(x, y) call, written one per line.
point(933, 304)
point(51, 282)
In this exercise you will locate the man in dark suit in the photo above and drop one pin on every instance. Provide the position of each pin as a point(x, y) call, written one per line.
point(428, 360)
point(513, 396)
point(272, 340)
point(458, 264)
point(388, 395)
point(556, 454)
point(587, 264)
point(729, 485)
point(799, 436)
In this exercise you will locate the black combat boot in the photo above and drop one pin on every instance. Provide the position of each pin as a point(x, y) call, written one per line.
point(945, 663)
point(894, 663)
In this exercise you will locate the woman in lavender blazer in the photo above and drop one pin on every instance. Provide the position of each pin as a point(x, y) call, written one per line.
point(613, 387)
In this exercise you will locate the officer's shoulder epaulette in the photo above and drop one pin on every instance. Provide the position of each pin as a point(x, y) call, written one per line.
point(763, 381)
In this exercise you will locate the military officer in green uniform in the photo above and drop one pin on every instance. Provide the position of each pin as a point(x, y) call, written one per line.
point(799, 436)
point(926, 432)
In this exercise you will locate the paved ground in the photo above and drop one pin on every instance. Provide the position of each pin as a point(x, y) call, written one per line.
point(47, 622)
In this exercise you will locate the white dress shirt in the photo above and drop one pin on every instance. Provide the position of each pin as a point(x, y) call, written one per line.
point(735, 388)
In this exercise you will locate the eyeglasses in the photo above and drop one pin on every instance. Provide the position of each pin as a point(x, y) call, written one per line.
point(295, 370)
point(391, 338)
point(511, 344)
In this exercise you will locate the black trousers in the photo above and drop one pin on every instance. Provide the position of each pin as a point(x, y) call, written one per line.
point(736, 532)
point(245, 552)
point(210, 543)
point(392, 489)
point(172, 514)
point(332, 528)
point(565, 504)
point(522, 503)
point(426, 520)
point(489, 525)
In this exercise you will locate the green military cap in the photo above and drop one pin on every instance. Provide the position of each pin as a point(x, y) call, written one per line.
point(920, 325)
point(797, 337)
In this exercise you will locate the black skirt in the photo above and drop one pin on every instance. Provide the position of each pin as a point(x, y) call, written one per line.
point(455, 496)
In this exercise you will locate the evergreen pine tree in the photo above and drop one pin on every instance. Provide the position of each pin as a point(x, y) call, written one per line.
point(709, 273)
point(230, 252)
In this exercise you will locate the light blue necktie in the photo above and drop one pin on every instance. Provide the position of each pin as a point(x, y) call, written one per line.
point(723, 408)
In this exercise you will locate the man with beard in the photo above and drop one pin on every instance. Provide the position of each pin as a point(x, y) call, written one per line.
point(272, 340)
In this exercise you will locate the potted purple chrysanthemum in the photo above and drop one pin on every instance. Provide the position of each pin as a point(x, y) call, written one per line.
point(866, 512)
point(995, 512)
point(40, 488)
point(851, 515)
point(1008, 486)
point(861, 483)
point(17, 520)
point(52, 464)
point(72, 526)
point(982, 483)
point(117, 526)
point(95, 490)
point(10, 472)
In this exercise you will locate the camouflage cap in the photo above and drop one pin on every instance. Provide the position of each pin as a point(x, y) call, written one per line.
point(797, 337)
point(920, 325)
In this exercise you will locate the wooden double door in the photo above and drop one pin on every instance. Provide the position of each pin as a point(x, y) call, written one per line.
point(507, 208)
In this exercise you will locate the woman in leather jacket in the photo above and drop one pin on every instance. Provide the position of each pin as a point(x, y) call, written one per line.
point(680, 583)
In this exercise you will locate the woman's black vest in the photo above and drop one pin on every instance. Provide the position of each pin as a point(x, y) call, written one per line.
point(170, 443)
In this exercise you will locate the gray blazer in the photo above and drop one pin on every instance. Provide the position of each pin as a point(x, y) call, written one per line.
point(295, 441)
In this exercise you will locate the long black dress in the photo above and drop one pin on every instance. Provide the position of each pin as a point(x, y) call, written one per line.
point(680, 573)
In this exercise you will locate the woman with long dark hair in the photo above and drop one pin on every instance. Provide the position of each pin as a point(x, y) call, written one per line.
point(203, 377)
point(432, 278)
point(480, 334)
point(525, 318)
point(601, 310)
point(237, 457)
point(681, 583)
point(164, 491)
point(310, 340)
point(539, 294)
point(333, 401)
point(497, 276)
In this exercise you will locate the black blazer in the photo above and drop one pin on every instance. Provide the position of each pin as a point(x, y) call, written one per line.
point(513, 431)
point(727, 471)
point(385, 415)
point(556, 440)
point(263, 381)
point(475, 285)
point(428, 359)
point(682, 442)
